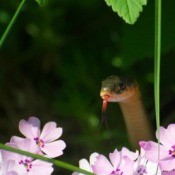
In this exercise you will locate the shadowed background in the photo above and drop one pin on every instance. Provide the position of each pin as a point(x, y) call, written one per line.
point(55, 57)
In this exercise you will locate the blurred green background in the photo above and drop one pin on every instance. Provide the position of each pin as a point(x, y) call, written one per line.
point(55, 57)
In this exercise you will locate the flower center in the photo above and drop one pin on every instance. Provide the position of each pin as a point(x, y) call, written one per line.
point(27, 163)
point(172, 151)
point(39, 142)
point(141, 170)
point(116, 172)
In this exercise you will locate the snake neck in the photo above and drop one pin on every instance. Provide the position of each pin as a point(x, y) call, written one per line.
point(136, 119)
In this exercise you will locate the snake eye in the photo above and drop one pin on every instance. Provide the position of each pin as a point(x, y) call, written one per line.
point(122, 85)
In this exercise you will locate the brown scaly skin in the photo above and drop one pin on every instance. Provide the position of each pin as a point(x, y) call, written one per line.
point(126, 92)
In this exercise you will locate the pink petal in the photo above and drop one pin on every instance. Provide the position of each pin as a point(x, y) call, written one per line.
point(30, 128)
point(115, 158)
point(7, 155)
point(54, 149)
point(0, 157)
point(93, 158)
point(151, 151)
point(12, 173)
point(168, 172)
point(152, 168)
point(16, 139)
point(102, 166)
point(25, 144)
point(7, 166)
point(34, 121)
point(131, 155)
point(127, 166)
point(167, 136)
point(167, 165)
point(75, 173)
point(84, 164)
point(28, 145)
point(50, 132)
point(41, 168)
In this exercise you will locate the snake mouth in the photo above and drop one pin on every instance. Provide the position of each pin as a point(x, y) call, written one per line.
point(109, 96)
point(106, 95)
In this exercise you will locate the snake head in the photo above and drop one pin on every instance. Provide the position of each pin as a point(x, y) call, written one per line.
point(117, 89)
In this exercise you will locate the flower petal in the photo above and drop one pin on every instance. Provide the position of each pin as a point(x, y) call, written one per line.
point(127, 166)
point(30, 128)
point(34, 121)
point(54, 149)
point(75, 173)
point(50, 132)
point(167, 165)
point(7, 155)
point(151, 151)
point(102, 166)
point(84, 164)
point(168, 172)
point(152, 168)
point(167, 136)
point(41, 168)
point(16, 139)
point(93, 158)
point(131, 155)
point(7, 166)
point(26, 145)
point(115, 158)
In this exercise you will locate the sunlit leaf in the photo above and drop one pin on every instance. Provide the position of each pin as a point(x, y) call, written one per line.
point(129, 10)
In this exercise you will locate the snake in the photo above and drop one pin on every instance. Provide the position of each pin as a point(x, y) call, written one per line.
point(127, 94)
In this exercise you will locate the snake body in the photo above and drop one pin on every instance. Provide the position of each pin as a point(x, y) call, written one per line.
point(127, 93)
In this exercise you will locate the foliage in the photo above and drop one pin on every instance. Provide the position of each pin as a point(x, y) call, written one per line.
point(129, 10)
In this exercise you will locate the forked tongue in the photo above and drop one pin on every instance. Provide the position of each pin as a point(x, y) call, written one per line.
point(104, 106)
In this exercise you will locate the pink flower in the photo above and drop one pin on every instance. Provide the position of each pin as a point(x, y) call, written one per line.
point(168, 172)
point(27, 165)
point(144, 167)
point(45, 139)
point(167, 148)
point(121, 163)
point(8, 167)
point(84, 164)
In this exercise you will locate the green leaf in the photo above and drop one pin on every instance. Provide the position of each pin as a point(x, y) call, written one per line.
point(129, 10)
point(41, 2)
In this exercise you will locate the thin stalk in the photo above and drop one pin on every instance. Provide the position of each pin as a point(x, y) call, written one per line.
point(4, 36)
point(54, 161)
point(157, 58)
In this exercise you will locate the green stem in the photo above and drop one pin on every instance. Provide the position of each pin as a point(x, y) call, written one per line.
point(11, 23)
point(54, 161)
point(157, 56)
point(157, 59)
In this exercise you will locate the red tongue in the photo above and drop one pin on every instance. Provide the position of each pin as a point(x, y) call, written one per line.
point(104, 106)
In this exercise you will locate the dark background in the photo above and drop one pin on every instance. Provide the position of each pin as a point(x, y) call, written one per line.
point(55, 57)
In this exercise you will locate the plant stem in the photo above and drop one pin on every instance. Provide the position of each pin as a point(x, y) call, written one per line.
point(54, 161)
point(157, 56)
point(4, 36)
point(157, 53)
